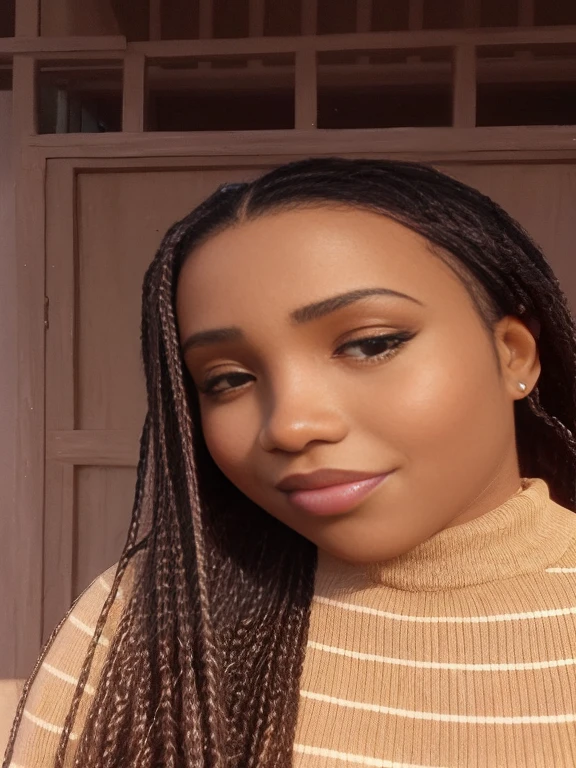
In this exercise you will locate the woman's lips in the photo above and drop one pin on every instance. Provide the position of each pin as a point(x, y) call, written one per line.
point(334, 499)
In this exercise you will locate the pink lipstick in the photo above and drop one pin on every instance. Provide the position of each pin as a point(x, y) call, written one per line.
point(330, 492)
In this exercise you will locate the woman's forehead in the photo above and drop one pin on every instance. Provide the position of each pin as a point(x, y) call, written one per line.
point(284, 260)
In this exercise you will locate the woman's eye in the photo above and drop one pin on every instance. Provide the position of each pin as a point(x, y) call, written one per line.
point(368, 348)
point(224, 382)
point(374, 347)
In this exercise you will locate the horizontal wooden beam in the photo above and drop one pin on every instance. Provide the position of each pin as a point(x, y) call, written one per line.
point(357, 41)
point(82, 58)
point(509, 70)
point(99, 447)
point(14, 45)
point(259, 144)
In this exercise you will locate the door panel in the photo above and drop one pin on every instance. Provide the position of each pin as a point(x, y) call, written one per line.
point(103, 227)
point(102, 232)
point(104, 498)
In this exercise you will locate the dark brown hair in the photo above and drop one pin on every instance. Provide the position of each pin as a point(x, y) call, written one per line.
point(204, 667)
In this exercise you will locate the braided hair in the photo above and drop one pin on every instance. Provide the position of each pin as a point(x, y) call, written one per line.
point(204, 667)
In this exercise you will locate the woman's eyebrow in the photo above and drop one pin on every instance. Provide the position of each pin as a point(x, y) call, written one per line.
point(213, 336)
point(302, 315)
point(321, 308)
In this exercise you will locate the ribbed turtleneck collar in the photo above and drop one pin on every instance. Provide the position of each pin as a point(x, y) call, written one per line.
point(526, 533)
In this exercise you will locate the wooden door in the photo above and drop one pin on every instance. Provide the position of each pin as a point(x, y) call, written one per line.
point(103, 226)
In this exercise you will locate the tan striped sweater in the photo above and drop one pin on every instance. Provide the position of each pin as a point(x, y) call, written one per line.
point(460, 653)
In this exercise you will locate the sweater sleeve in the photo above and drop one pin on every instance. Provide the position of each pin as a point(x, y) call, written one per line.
point(51, 693)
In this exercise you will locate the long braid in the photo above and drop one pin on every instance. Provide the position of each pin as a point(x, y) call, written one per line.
point(209, 655)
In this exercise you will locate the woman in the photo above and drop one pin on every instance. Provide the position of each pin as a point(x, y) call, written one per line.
point(353, 539)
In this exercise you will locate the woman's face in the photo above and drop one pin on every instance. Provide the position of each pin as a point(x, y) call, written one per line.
point(336, 357)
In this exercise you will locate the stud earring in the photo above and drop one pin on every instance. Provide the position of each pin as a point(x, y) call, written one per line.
point(521, 386)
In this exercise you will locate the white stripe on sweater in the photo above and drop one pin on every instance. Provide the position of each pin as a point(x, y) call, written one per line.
point(67, 678)
point(347, 757)
point(446, 619)
point(504, 667)
point(87, 630)
point(45, 725)
point(108, 587)
point(560, 570)
point(441, 717)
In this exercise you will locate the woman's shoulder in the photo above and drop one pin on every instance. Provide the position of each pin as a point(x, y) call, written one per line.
point(51, 692)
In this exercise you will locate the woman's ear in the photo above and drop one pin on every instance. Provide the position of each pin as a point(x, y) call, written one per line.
point(518, 354)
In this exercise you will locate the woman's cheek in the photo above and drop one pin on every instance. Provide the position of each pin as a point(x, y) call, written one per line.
point(229, 437)
point(432, 402)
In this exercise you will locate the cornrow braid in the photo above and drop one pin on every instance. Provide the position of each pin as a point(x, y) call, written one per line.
point(203, 669)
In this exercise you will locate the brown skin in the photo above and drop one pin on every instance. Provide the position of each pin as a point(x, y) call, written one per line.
point(437, 410)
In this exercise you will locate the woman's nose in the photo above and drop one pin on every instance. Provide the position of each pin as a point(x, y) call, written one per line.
point(300, 415)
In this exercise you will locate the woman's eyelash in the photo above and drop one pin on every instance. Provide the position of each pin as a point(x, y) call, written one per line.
point(392, 344)
point(209, 386)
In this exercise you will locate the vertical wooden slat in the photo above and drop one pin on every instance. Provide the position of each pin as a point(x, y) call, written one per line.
point(526, 18)
point(155, 19)
point(205, 26)
point(206, 20)
point(363, 23)
point(8, 392)
point(309, 17)
point(464, 87)
point(59, 525)
point(415, 14)
point(526, 13)
point(415, 22)
point(133, 92)
point(27, 22)
point(306, 91)
point(22, 526)
point(471, 14)
point(24, 117)
point(256, 10)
